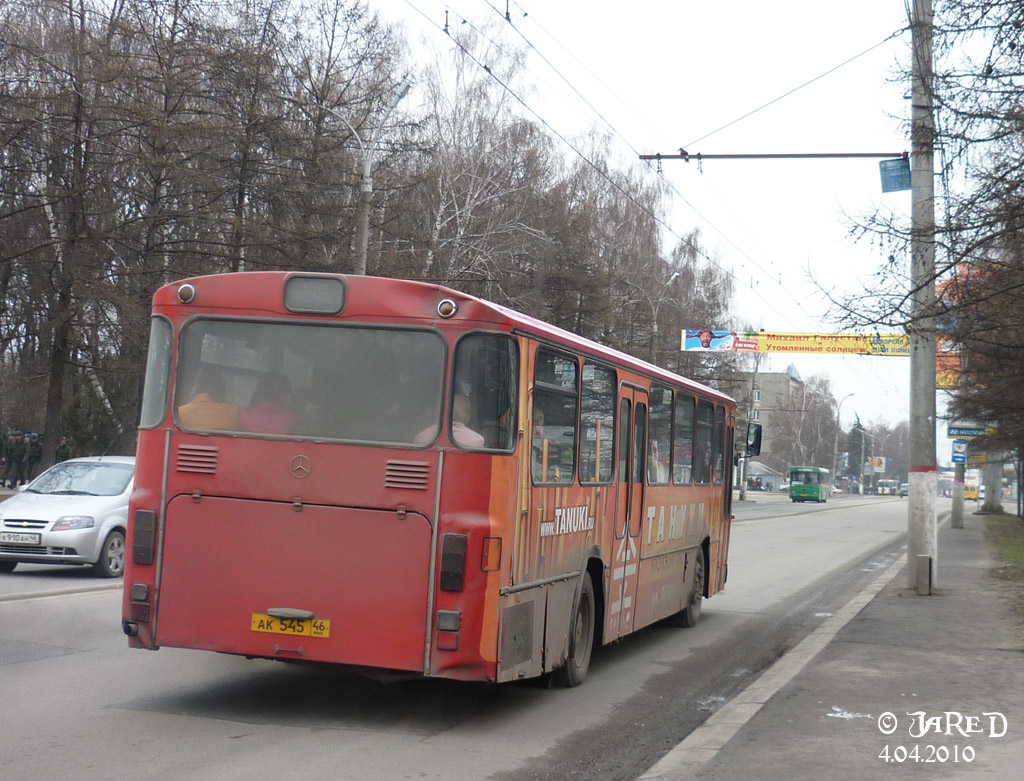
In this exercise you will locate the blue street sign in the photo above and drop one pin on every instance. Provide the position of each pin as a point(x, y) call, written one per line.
point(895, 174)
point(959, 451)
point(965, 431)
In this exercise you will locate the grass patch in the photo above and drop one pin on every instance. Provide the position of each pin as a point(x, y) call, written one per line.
point(1007, 532)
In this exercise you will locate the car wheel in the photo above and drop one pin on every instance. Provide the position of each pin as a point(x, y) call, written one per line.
point(8, 566)
point(111, 561)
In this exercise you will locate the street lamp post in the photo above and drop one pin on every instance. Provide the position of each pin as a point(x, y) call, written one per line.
point(367, 152)
point(835, 442)
point(874, 443)
point(655, 306)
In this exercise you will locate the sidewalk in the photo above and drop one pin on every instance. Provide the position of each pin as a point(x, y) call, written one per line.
point(820, 711)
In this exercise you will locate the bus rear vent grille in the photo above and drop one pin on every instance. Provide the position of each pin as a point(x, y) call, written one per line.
point(407, 474)
point(198, 458)
point(516, 635)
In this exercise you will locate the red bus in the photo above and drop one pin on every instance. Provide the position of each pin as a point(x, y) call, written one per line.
point(393, 475)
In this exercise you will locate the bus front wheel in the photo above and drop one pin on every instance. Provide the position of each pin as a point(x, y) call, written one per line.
point(581, 639)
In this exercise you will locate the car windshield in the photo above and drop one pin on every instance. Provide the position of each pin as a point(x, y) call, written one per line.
point(93, 478)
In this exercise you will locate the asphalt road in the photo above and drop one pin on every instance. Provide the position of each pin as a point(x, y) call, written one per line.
point(77, 700)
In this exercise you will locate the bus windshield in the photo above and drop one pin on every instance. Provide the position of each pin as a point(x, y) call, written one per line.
point(805, 478)
point(381, 385)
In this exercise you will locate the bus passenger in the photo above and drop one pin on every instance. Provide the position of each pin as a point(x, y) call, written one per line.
point(269, 412)
point(461, 432)
point(208, 409)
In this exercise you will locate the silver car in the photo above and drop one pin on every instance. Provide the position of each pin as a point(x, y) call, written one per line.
point(73, 513)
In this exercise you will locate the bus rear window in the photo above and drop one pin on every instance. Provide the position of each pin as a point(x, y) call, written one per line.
point(314, 381)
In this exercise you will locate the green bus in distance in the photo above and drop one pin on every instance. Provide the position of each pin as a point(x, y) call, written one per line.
point(809, 484)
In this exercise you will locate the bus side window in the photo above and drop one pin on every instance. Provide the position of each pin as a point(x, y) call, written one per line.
point(702, 442)
point(553, 439)
point(659, 447)
point(682, 455)
point(597, 420)
point(484, 392)
point(718, 446)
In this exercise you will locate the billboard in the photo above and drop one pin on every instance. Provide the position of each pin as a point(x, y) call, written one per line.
point(896, 345)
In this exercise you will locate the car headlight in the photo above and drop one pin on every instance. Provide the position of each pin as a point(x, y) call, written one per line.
point(73, 522)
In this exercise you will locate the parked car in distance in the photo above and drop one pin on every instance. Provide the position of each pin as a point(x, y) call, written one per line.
point(74, 513)
point(904, 489)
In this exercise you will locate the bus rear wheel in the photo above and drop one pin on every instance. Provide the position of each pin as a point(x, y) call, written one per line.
point(581, 639)
point(690, 614)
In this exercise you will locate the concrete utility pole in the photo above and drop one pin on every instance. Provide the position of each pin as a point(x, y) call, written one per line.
point(835, 441)
point(956, 517)
point(368, 152)
point(922, 540)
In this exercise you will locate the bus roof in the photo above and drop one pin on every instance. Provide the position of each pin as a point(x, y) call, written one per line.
point(379, 299)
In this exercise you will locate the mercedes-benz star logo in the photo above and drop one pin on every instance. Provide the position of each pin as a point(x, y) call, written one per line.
point(301, 467)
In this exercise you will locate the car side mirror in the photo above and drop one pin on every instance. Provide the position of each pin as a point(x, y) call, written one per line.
point(753, 439)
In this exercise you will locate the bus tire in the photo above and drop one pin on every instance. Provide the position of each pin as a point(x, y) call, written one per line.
point(581, 638)
point(690, 614)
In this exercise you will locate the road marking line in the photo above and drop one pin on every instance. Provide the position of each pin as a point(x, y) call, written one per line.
point(25, 596)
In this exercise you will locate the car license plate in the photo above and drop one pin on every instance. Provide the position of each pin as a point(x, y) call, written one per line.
point(21, 538)
point(305, 627)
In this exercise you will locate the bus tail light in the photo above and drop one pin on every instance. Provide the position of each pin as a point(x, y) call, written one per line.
point(453, 561)
point(138, 610)
point(448, 630)
point(144, 537)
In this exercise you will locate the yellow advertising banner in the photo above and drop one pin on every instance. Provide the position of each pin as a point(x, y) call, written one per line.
point(947, 357)
point(895, 345)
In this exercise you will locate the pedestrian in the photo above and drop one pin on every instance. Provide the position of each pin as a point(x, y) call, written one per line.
point(17, 446)
point(64, 451)
point(33, 457)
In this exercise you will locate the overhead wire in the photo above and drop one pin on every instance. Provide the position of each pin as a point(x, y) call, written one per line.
point(611, 127)
point(799, 303)
point(630, 145)
point(773, 101)
point(884, 384)
point(582, 156)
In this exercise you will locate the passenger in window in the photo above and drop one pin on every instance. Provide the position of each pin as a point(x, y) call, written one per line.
point(270, 412)
point(657, 466)
point(550, 456)
point(462, 410)
point(208, 408)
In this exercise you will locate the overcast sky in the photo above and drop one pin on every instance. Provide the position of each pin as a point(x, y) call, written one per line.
point(665, 74)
